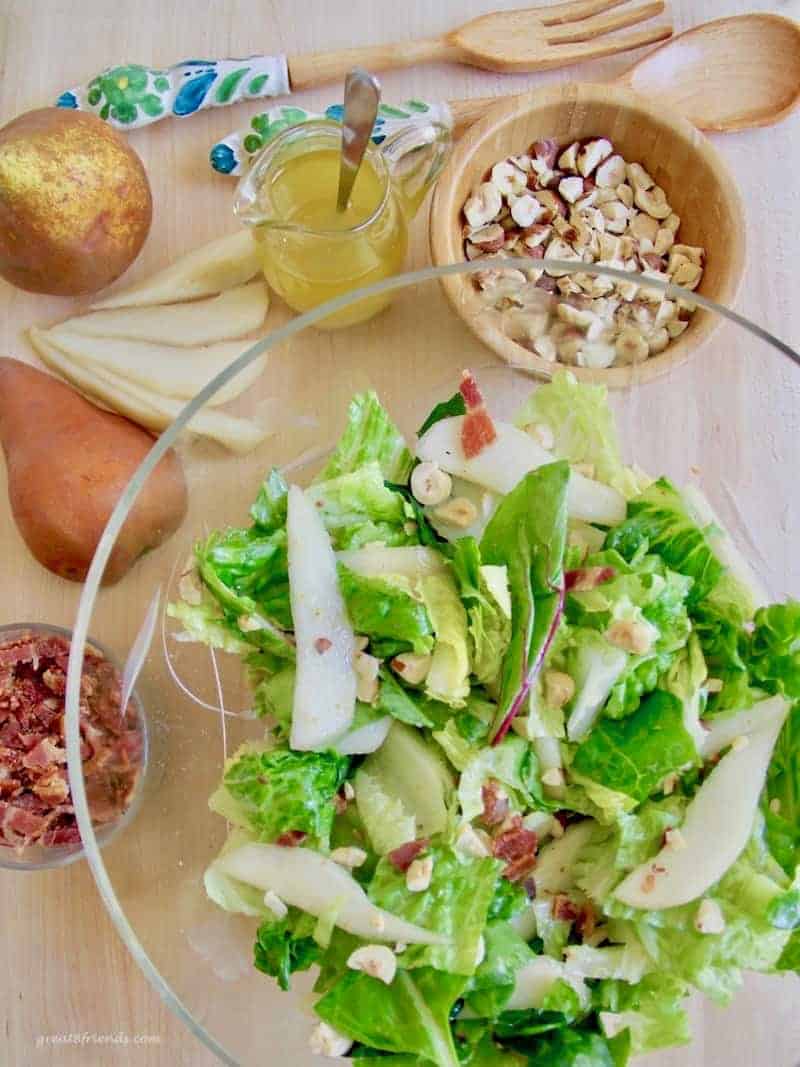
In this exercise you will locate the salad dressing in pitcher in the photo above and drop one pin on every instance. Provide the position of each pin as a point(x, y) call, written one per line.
point(312, 252)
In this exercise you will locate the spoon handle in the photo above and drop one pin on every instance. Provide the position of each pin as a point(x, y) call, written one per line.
point(362, 94)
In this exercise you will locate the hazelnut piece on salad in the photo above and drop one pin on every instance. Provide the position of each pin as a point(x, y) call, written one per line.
point(559, 688)
point(458, 512)
point(325, 1041)
point(430, 484)
point(412, 667)
point(631, 636)
point(378, 961)
point(419, 874)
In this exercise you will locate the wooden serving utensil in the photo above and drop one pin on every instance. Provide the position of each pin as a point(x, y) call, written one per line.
point(533, 38)
point(726, 75)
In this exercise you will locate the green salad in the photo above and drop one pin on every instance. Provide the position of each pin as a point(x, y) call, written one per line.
point(531, 768)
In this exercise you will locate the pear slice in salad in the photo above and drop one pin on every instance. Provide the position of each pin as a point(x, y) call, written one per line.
point(718, 823)
point(501, 465)
point(315, 884)
point(366, 738)
point(325, 684)
point(380, 561)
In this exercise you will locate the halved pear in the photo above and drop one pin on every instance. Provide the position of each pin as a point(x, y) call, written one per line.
point(310, 881)
point(501, 465)
point(148, 409)
point(226, 317)
point(168, 371)
point(718, 823)
point(205, 271)
point(325, 684)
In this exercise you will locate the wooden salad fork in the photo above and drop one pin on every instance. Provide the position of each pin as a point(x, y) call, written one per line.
point(529, 39)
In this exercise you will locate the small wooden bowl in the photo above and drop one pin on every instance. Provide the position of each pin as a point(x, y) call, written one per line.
point(679, 158)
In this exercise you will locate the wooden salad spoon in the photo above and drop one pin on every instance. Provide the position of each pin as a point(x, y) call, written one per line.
point(730, 74)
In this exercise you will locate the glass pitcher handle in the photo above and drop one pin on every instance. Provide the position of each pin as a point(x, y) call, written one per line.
point(416, 156)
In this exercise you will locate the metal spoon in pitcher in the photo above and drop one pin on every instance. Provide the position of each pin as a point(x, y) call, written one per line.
point(362, 95)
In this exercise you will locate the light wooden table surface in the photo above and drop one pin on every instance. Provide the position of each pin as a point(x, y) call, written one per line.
point(63, 968)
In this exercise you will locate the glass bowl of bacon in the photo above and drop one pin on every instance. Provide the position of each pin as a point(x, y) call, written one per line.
point(38, 828)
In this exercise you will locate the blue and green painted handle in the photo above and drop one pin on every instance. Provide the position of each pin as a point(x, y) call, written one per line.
point(130, 96)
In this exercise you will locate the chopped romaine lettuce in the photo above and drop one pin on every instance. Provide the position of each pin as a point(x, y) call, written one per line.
point(370, 437)
point(269, 510)
point(385, 611)
point(582, 425)
point(652, 1011)
point(634, 755)
point(412, 1015)
point(358, 509)
point(484, 590)
point(448, 677)
point(279, 951)
point(456, 905)
point(276, 791)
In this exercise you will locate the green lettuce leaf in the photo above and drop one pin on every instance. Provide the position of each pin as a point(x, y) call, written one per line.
point(652, 1011)
point(274, 696)
point(358, 509)
point(456, 905)
point(411, 1016)
point(207, 624)
point(387, 613)
point(269, 510)
point(489, 624)
point(582, 425)
point(527, 535)
point(782, 795)
point(279, 951)
point(370, 437)
point(401, 703)
point(446, 409)
point(774, 649)
point(493, 983)
point(247, 572)
point(635, 754)
point(448, 677)
point(274, 791)
point(572, 1047)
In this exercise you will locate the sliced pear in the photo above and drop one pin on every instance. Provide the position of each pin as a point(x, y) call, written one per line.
point(315, 884)
point(364, 739)
point(325, 685)
point(502, 464)
point(232, 314)
point(719, 732)
point(148, 409)
point(378, 561)
point(168, 371)
point(410, 771)
point(556, 859)
point(718, 823)
point(205, 271)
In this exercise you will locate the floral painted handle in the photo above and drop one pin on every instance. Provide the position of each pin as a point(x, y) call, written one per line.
point(234, 154)
point(131, 96)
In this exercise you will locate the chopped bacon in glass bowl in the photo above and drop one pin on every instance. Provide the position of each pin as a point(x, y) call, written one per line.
point(36, 812)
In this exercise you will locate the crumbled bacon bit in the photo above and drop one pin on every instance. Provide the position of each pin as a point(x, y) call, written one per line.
point(36, 805)
point(291, 838)
point(564, 909)
point(587, 578)
point(477, 430)
point(495, 804)
point(403, 856)
point(518, 846)
point(322, 644)
point(529, 885)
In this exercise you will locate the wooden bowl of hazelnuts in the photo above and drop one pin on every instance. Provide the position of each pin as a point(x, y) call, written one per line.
point(597, 176)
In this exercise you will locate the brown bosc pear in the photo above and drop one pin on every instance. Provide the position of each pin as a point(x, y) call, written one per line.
point(68, 464)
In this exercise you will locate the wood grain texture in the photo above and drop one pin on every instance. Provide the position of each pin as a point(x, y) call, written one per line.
point(668, 147)
point(65, 970)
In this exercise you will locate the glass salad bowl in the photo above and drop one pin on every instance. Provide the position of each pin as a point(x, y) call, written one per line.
point(719, 423)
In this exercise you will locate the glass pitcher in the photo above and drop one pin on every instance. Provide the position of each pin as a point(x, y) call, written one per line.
point(311, 254)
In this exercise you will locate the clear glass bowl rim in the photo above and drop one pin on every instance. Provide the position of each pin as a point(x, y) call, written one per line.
point(160, 447)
